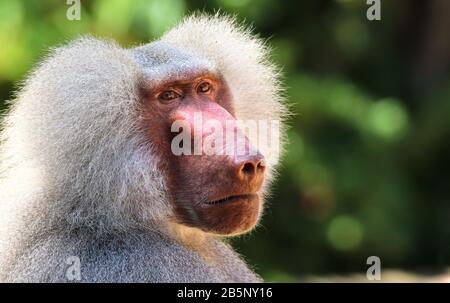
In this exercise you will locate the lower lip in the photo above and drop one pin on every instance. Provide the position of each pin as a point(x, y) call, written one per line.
point(233, 199)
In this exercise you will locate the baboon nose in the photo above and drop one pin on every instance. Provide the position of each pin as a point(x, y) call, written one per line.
point(251, 168)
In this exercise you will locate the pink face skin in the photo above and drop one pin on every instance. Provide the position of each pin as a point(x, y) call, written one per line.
point(215, 189)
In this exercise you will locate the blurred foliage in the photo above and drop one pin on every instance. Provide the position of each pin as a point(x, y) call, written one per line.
point(366, 170)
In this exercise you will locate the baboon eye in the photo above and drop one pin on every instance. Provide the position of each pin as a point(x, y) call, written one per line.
point(169, 95)
point(204, 87)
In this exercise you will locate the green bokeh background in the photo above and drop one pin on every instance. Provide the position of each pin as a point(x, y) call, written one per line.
point(366, 170)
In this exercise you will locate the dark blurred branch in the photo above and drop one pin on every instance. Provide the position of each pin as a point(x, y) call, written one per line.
point(434, 53)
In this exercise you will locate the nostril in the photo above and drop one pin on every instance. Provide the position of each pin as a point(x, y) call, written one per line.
point(248, 168)
point(261, 165)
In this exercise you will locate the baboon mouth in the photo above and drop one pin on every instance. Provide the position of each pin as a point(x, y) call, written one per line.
point(233, 199)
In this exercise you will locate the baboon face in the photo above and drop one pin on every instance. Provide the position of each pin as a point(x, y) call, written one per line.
point(214, 174)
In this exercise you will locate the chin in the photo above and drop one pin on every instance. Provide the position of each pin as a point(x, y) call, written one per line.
point(232, 215)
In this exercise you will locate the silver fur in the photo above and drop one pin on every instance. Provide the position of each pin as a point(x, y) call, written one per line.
point(78, 178)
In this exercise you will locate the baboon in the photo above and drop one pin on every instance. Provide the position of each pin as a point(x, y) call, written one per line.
point(87, 169)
